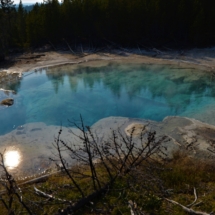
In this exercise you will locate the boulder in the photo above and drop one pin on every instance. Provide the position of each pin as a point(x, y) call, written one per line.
point(7, 102)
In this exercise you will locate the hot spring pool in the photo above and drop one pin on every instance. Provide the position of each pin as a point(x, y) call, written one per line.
point(56, 95)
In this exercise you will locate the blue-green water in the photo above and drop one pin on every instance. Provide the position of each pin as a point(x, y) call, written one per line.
point(56, 95)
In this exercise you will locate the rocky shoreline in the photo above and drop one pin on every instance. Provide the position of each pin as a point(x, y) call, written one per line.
point(34, 141)
point(202, 59)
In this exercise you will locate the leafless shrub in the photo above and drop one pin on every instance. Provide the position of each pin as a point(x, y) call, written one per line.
point(104, 162)
point(12, 191)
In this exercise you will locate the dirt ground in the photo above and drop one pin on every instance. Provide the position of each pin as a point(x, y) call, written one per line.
point(203, 59)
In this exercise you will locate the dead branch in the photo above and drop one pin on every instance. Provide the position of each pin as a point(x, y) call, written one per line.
point(82, 202)
point(132, 205)
point(118, 46)
point(69, 46)
point(157, 51)
point(188, 210)
point(118, 156)
point(57, 141)
point(52, 45)
point(139, 49)
point(195, 194)
point(48, 196)
point(12, 190)
point(82, 51)
point(39, 179)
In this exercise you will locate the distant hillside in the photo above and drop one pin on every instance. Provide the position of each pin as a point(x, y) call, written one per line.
point(27, 6)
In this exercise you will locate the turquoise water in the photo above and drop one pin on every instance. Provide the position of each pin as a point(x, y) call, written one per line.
point(56, 95)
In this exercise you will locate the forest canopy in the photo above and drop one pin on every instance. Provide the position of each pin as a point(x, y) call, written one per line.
point(125, 22)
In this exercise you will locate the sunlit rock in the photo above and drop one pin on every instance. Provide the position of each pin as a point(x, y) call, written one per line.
point(135, 129)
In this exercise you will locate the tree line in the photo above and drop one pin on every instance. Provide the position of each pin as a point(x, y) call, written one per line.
point(124, 22)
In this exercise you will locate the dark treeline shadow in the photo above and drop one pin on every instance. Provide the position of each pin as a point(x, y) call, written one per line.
point(151, 23)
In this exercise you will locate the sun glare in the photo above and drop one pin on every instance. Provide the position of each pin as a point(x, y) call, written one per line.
point(12, 159)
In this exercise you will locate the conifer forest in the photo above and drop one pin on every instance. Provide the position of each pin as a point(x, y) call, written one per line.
point(169, 23)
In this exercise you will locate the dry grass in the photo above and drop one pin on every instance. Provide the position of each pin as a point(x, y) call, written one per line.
point(146, 185)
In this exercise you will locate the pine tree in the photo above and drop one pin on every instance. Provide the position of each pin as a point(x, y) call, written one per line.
point(7, 5)
point(21, 25)
point(6, 24)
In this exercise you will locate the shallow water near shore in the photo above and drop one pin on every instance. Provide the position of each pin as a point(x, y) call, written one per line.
point(55, 95)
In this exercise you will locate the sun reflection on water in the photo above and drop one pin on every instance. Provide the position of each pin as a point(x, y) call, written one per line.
point(12, 159)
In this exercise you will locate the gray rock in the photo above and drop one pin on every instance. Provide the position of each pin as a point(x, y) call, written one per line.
point(7, 102)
